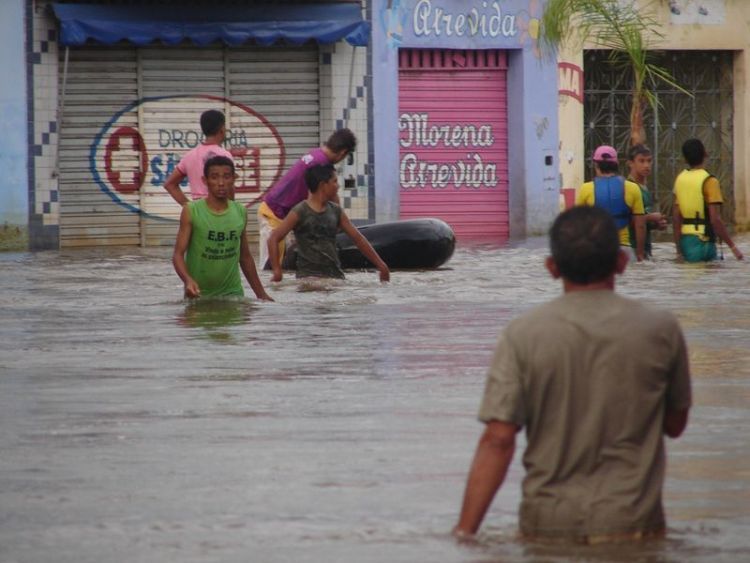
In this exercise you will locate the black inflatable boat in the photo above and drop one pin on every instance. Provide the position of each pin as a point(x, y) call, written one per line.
point(408, 244)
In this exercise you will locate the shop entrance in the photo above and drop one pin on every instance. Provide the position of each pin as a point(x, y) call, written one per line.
point(130, 114)
point(453, 140)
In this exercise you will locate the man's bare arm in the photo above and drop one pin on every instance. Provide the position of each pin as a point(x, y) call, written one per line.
point(491, 460)
point(639, 223)
point(172, 185)
point(677, 227)
point(714, 215)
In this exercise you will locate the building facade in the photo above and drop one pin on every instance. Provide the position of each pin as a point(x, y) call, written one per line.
point(705, 47)
point(454, 108)
point(452, 102)
point(115, 91)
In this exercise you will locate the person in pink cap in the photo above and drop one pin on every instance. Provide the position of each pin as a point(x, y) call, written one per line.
point(621, 198)
point(213, 125)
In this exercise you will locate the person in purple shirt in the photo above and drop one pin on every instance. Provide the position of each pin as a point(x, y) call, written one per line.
point(291, 188)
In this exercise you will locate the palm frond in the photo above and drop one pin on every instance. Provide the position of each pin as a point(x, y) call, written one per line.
point(630, 34)
point(605, 23)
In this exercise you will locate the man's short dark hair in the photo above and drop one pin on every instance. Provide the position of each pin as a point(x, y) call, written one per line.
point(608, 166)
point(635, 150)
point(217, 161)
point(317, 174)
point(694, 152)
point(342, 139)
point(584, 242)
point(211, 121)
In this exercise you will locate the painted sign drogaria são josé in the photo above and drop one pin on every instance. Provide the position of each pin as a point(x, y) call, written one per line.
point(131, 164)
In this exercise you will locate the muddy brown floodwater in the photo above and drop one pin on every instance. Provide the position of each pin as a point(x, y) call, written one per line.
point(331, 425)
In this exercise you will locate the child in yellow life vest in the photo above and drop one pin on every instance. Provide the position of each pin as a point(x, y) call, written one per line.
point(696, 215)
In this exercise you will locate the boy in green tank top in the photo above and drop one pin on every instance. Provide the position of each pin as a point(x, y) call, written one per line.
point(211, 245)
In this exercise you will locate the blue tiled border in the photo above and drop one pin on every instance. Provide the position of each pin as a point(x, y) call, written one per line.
point(41, 236)
point(370, 127)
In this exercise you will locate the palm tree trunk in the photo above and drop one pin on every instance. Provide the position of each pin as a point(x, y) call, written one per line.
point(637, 130)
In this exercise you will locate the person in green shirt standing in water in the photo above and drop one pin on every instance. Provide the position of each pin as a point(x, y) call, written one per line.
point(639, 164)
point(211, 245)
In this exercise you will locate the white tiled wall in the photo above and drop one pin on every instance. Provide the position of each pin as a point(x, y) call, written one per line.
point(45, 102)
point(345, 106)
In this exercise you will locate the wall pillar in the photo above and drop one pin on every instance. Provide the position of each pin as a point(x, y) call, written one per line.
point(14, 120)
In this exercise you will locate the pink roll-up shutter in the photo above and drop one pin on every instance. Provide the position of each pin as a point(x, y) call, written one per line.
point(453, 140)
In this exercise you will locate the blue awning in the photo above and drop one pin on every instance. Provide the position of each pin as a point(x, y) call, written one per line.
point(234, 25)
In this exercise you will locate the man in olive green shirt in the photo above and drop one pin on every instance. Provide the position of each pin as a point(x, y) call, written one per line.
point(596, 380)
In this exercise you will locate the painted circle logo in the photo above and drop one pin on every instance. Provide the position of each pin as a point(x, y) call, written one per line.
point(130, 165)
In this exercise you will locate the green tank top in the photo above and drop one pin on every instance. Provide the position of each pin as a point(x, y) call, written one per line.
point(213, 255)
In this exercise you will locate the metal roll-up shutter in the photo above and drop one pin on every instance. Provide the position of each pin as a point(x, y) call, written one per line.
point(178, 84)
point(131, 114)
point(100, 84)
point(281, 84)
point(453, 136)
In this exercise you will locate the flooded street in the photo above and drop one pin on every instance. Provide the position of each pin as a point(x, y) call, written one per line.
point(329, 426)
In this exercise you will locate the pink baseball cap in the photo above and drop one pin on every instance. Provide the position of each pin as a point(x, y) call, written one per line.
point(605, 152)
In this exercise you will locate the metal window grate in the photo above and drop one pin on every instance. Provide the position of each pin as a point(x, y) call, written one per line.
point(708, 115)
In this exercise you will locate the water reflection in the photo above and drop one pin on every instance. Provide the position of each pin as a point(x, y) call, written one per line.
point(216, 317)
point(332, 425)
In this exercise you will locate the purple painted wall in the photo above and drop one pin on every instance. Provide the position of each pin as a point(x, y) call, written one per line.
point(453, 125)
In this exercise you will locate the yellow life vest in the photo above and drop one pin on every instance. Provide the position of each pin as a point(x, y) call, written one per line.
point(688, 189)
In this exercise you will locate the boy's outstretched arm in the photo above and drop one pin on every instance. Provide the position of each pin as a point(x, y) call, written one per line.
point(365, 247)
point(714, 215)
point(277, 235)
point(639, 222)
point(677, 227)
point(178, 256)
point(247, 264)
point(656, 220)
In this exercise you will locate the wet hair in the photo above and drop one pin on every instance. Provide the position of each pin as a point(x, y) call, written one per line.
point(584, 243)
point(635, 150)
point(608, 166)
point(317, 174)
point(211, 121)
point(342, 139)
point(694, 152)
point(217, 161)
